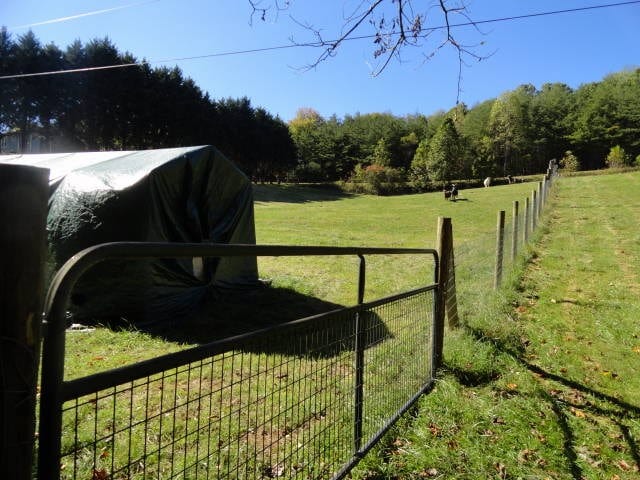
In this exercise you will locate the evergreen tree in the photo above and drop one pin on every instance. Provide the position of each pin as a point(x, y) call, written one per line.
point(443, 155)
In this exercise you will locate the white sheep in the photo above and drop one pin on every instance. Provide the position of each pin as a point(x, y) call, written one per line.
point(487, 181)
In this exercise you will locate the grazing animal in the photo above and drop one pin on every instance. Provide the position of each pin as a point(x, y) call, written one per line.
point(454, 192)
point(450, 192)
point(487, 182)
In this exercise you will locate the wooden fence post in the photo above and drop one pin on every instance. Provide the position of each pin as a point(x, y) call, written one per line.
point(514, 233)
point(534, 210)
point(525, 234)
point(497, 279)
point(540, 198)
point(446, 301)
point(24, 192)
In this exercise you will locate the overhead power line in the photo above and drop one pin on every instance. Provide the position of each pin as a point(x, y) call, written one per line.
point(314, 44)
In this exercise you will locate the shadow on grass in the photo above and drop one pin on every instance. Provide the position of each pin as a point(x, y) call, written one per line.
point(290, 193)
point(621, 409)
point(568, 443)
point(471, 378)
point(238, 312)
point(633, 446)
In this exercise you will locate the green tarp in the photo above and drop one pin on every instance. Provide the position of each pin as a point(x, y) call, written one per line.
point(191, 194)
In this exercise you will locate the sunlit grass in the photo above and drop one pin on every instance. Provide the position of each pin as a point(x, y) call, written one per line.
point(542, 381)
point(303, 216)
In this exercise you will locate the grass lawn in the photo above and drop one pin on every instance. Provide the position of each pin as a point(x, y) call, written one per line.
point(538, 383)
point(293, 215)
point(545, 386)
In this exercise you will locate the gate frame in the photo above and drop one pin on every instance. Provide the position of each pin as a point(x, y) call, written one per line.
point(53, 384)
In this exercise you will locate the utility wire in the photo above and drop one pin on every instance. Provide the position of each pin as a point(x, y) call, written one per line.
point(318, 43)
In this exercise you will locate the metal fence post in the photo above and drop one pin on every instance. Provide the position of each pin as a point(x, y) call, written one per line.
point(360, 339)
point(24, 192)
point(514, 233)
point(499, 249)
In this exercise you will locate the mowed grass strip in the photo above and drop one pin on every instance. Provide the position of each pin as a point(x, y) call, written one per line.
point(546, 384)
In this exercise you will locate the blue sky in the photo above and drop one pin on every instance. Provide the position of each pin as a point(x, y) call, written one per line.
point(573, 48)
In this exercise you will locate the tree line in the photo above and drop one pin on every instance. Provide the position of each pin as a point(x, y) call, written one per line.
point(142, 107)
point(518, 133)
point(129, 108)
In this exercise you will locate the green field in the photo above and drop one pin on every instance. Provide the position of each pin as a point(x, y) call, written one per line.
point(539, 383)
point(546, 385)
point(294, 215)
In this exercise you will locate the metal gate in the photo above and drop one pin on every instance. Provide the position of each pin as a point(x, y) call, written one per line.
point(304, 399)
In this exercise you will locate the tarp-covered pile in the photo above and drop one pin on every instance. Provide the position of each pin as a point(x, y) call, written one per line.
point(189, 194)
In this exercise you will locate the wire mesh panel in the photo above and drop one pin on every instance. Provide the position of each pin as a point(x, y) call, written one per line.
point(397, 358)
point(303, 399)
point(278, 404)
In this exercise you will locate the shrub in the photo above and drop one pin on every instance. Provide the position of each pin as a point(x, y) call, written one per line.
point(377, 180)
point(618, 157)
point(569, 162)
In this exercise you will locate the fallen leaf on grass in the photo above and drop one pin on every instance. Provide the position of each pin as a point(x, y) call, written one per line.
point(430, 472)
point(541, 438)
point(99, 474)
point(502, 470)
point(512, 386)
point(622, 465)
point(577, 413)
point(435, 429)
point(526, 455)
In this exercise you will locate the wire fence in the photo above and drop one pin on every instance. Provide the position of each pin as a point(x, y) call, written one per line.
point(488, 257)
point(305, 399)
point(483, 261)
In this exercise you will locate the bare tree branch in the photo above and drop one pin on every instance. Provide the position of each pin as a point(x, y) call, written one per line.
point(392, 30)
point(258, 10)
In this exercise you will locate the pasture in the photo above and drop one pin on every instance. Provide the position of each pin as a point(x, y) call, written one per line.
point(545, 385)
point(519, 397)
point(298, 215)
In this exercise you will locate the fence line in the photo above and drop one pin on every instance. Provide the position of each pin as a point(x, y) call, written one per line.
point(530, 220)
point(514, 233)
point(285, 401)
point(499, 249)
